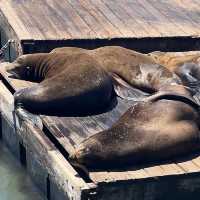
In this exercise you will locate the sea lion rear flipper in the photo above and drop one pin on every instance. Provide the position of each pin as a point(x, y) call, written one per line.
point(125, 91)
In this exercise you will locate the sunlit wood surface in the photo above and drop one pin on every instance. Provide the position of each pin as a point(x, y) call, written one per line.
point(91, 19)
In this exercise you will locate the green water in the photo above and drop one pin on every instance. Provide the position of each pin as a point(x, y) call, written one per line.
point(15, 184)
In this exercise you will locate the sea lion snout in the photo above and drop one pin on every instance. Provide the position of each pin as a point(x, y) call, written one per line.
point(189, 72)
point(19, 69)
point(15, 70)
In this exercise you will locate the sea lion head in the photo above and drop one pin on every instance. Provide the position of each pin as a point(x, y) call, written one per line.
point(189, 73)
point(89, 152)
point(18, 69)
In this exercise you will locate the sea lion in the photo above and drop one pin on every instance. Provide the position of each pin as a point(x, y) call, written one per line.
point(163, 126)
point(139, 70)
point(71, 84)
point(83, 77)
point(186, 67)
point(172, 61)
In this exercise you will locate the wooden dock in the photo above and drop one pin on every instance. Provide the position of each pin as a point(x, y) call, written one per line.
point(60, 135)
point(143, 25)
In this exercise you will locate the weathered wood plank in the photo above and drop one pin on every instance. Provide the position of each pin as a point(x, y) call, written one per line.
point(89, 19)
point(124, 17)
point(14, 20)
point(171, 14)
point(101, 19)
point(171, 168)
point(158, 20)
point(143, 18)
point(188, 166)
point(112, 18)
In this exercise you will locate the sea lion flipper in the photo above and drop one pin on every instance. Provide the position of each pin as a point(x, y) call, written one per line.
point(189, 73)
point(125, 91)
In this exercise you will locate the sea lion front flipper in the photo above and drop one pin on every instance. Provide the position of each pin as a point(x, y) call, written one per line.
point(189, 73)
point(125, 91)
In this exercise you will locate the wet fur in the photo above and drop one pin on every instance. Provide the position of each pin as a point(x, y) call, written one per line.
point(156, 129)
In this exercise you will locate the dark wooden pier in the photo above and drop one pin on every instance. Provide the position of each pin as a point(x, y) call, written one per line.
point(143, 25)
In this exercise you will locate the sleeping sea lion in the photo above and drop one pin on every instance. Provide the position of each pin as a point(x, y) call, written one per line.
point(163, 126)
point(71, 84)
point(82, 78)
point(139, 70)
point(173, 60)
point(186, 67)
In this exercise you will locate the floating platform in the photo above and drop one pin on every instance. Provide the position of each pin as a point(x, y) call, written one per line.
point(45, 155)
point(143, 25)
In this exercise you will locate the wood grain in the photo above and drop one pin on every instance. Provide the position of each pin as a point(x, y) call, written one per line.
point(91, 19)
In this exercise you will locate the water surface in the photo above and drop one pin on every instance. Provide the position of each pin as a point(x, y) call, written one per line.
point(15, 183)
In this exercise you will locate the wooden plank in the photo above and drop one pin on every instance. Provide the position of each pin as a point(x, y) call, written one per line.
point(112, 18)
point(14, 20)
point(89, 20)
point(154, 171)
point(172, 169)
point(28, 21)
point(180, 15)
point(190, 9)
point(85, 30)
point(188, 166)
point(138, 174)
point(174, 17)
point(101, 19)
point(66, 19)
point(125, 18)
point(143, 18)
point(196, 161)
point(163, 25)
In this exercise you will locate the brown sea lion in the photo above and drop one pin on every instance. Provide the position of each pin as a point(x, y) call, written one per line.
point(172, 61)
point(186, 66)
point(163, 126)
point(71, 84)
point(82, 78)
point(139, 70)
